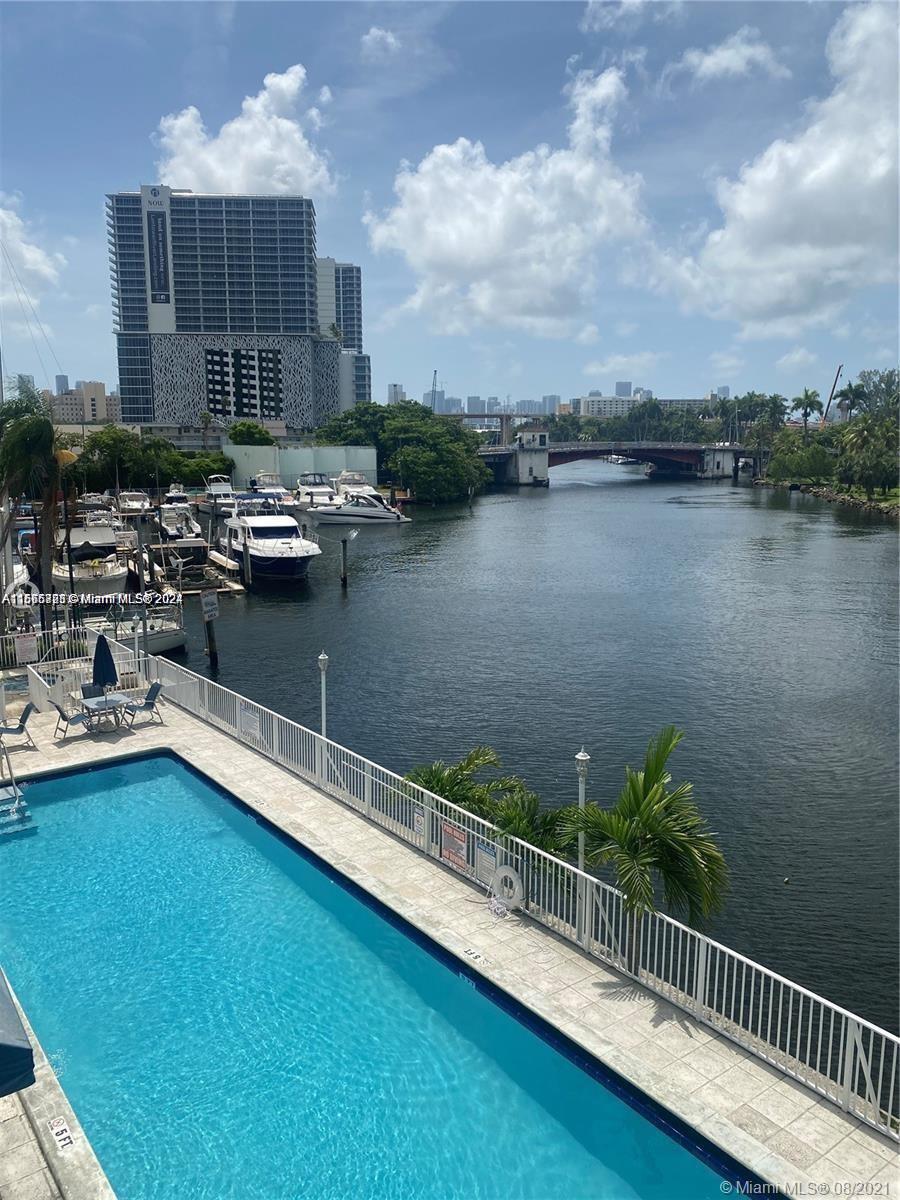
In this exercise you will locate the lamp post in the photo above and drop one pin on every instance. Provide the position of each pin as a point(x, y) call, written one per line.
point(582, 758)
point(323, 667)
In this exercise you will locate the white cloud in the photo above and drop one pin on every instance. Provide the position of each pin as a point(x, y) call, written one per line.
point(263, 149)
point(378, 44)
point(795, 359)
point(814, 217)
point(887, 356)
point(600, 16)
point(729, 362)
point(625, 328)
point(738, 55)
point(325, 96)
point(517, 243)
point(588, 335)
point(33, 270)
point(634, 364)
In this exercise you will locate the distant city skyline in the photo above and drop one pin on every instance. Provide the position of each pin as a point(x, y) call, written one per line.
point(443, 169)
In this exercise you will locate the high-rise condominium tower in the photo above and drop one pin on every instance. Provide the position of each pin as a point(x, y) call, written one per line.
point(215, 308)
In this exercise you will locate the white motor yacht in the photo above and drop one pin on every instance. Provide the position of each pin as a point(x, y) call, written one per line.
point(219, 494)
point(96, 569)
point(268, 486)
point(176, 494)
point(316, 490)
point(134, 505)
point(355, 482)
point(277, 550)
point(358, 509)
point(94, 502)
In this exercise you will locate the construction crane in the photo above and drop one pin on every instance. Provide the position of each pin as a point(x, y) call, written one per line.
point(433, 391)
point(824, 419)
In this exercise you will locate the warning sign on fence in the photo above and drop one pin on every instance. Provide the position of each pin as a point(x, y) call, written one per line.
point(454, 846)
point(26, 648)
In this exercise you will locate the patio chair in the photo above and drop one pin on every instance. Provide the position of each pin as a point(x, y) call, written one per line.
point(64, 721)
point(20, 730)
point(90, 691)
point(147, 705)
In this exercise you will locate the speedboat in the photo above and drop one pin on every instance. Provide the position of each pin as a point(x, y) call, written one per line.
point(176, 494)
point(180, 533)
point(358, 509)
point(268, 486)
point(134, 504)
point(276, 548)
point(94, 502)
point(219, 495)
point(354, 482)
point(90, 565)
point(315, 489)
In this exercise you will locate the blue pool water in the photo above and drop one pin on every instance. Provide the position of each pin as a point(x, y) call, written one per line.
point(228, 1020)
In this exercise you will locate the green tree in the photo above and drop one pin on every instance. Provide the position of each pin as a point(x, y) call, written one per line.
point(654, 839)
point(249, 433)
point(806, 404)
point(881, 392)
point(851, 397)
point(33, 465)
point(205, 420)
point(434, 455)
point(459, 783)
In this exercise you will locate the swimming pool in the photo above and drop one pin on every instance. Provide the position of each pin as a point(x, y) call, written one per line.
point(228, 1019)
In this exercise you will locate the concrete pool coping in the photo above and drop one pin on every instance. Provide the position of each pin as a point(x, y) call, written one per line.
point(780, 1131)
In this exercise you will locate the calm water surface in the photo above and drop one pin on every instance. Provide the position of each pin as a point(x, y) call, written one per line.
point(763, 624)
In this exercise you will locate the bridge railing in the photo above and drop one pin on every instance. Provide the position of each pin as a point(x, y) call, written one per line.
point(837, 1054)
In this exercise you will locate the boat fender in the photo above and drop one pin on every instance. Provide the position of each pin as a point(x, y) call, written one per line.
point(506, 884)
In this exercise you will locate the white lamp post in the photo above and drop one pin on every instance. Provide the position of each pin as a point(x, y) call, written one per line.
point(582, 758)
point(323, 667)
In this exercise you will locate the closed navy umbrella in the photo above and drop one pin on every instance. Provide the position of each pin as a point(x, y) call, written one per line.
point(104, 668)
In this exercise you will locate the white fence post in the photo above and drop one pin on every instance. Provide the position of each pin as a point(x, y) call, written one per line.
point(851, 1041)
point(700, 966)
point(367, 789)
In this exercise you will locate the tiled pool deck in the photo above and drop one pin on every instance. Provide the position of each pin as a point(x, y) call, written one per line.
point(783, 1132)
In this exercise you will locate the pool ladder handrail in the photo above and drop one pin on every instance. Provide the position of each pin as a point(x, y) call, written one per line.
point(13, 814)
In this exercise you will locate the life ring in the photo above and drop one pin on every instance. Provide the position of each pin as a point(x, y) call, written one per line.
point(507, 886)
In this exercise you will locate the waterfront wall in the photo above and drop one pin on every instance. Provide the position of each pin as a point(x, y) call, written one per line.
point(290, 462)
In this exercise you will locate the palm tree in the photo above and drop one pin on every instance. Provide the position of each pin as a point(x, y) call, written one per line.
point(32, 464)
point(456, 782)
point(808, 403)
point(335, 333)
point(654, 837)
point(850, 397)
point(205, 420)
point(517, 812)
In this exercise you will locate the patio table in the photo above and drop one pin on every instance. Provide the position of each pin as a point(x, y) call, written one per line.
point(105, 707)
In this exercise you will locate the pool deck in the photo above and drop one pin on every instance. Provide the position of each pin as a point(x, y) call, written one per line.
point(782, 1131)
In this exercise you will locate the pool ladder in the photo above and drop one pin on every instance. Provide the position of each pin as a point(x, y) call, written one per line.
point(14, 814)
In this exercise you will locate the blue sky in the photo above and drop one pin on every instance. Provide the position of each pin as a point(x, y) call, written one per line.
point(543, 197)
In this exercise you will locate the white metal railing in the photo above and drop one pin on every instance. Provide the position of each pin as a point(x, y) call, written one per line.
point(850, 1061)
point(50, 644)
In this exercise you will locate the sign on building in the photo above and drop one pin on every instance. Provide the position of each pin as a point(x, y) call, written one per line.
point(158, 258)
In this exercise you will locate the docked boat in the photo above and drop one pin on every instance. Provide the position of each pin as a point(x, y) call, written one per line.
point(316, 490)
point(94, 502)
point(277, 550)
point(180, 533)
point(355, 483)
point(176, 494)
point(96, 569)
point(165, 627)
point(219, 496)
point(134, 505)
point(268, 486)
point(358, 509)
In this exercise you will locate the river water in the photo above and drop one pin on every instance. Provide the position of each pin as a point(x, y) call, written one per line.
point(763, 624)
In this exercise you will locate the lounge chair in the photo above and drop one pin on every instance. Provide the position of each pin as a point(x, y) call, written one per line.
point(147, 705)
point(20, 730)
point(64, 721)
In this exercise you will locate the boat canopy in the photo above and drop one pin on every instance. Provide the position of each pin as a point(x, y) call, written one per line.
point(313, 479)
point(16, 1054)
